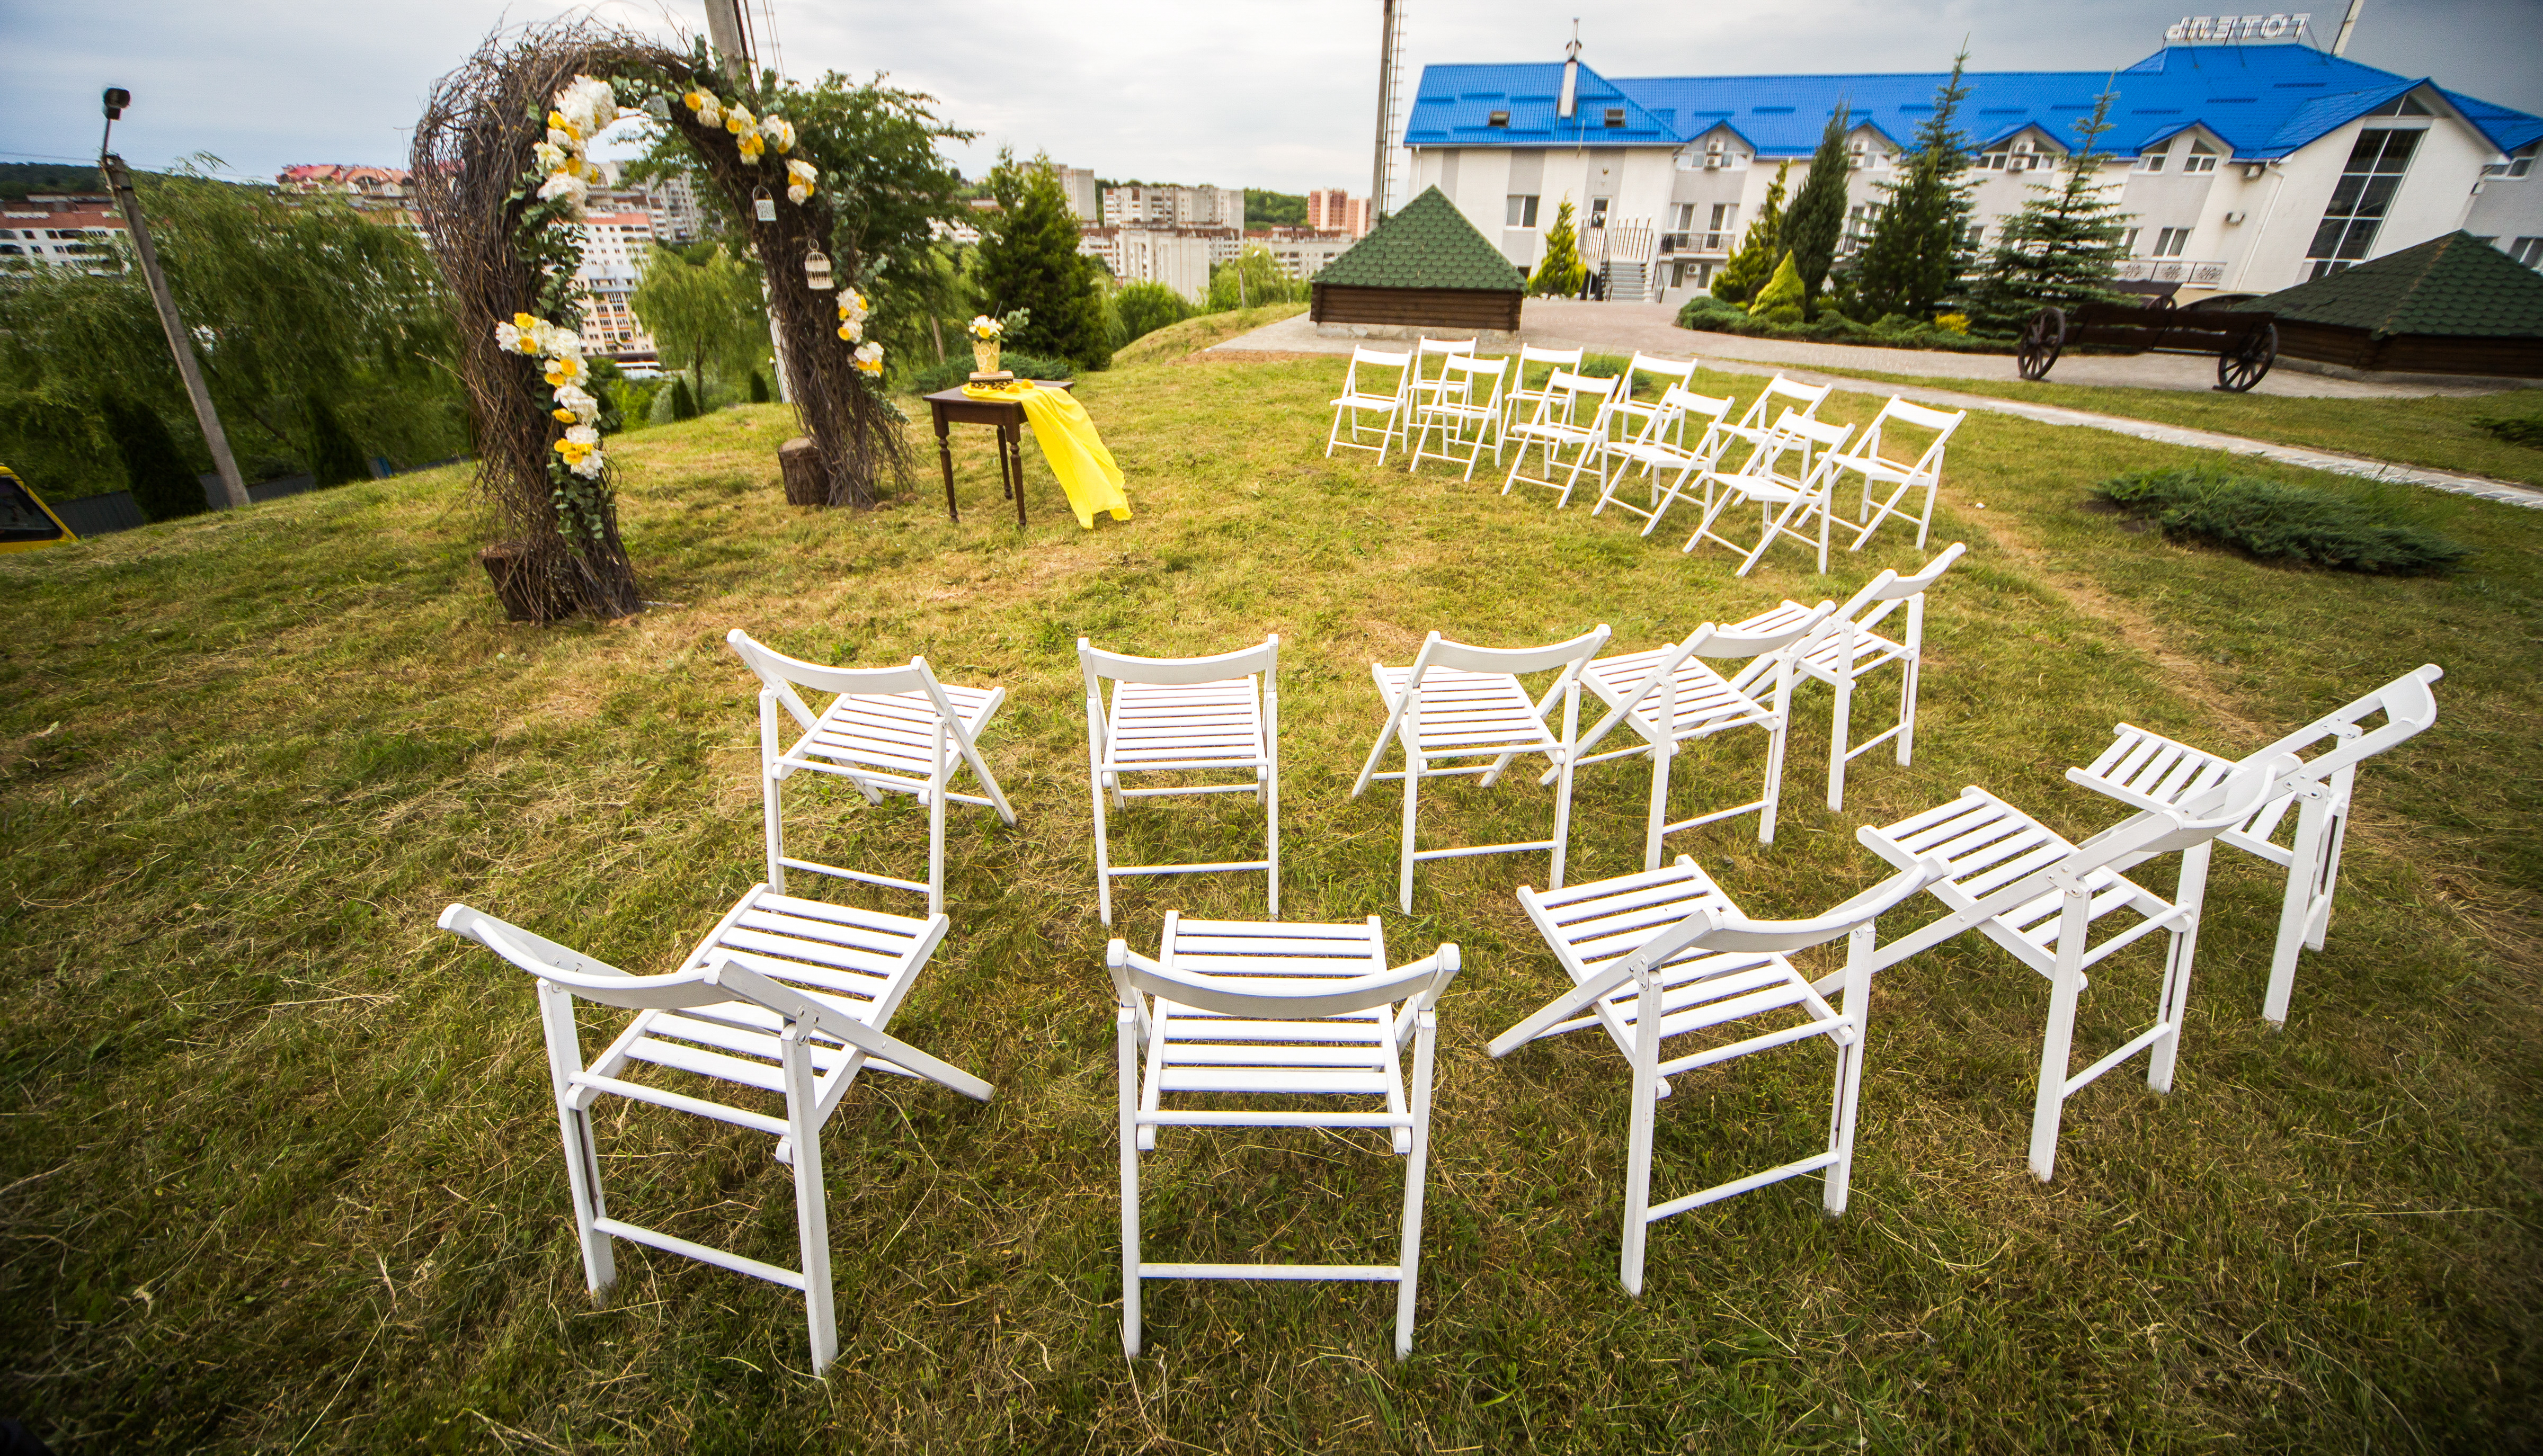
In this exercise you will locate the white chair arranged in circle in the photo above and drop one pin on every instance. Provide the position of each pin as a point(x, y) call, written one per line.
point(889, 730)
point(1786, 498)
point(784, 996)
point(1520, 401)
point(1668, 464)
point(1632, 418)
point(1462, 702)
point(1851, 646)
point(1757, 425)
point(1292, 1012)
point(2146, 770)
point(1468, 414)
point(1558, 428)
point(1866, 460)
point(2038, 895)
point(1666, 955)
point(1183, 716)
point(1432, 381)
point(1671, 696)
point(1384, 397)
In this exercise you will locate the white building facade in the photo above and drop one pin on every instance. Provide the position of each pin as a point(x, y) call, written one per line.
point(2245, 168)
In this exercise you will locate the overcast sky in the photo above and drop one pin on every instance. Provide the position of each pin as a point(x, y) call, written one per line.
point(1248, 93)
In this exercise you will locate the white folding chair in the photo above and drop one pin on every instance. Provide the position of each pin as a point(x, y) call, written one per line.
point(1661, 452)
point(1849, 646)
point(1465, 702)
point(1431, 380)
point(1632, 419)
point(1787, 498)
point(1524, 398)
point(1294, 1012)
point(2032, 891)
point(889, 730)
point(784, 996)
point(1671, 696)
point(1925, 472)
point(2148, 771)
point(1180, 716)
point(1556, 426)
point(1780, 395)
point(1361, 398)
point(1662, 954)
point(1469, 413)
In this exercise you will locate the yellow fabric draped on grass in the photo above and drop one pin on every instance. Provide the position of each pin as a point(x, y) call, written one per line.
point(1069, 442)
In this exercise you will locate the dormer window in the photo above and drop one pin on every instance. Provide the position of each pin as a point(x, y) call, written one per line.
point(1615, 116)
point(2519, 163)
point(2405, 104)
point(2152, 161)
point(1497, 119)
point(2201, 158)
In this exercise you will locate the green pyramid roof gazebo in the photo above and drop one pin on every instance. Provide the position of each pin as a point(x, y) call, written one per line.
point(1424, 265)
point(2453, 305)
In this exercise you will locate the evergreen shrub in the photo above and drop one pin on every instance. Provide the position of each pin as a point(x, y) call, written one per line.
point(684, 405)
point(2525, 431)
point(335, 458)
point(758, 388)
point(162, 485)
point(2272, 521)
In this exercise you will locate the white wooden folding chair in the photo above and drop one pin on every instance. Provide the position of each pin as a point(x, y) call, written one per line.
point(1865, 458)
point(1294, 1012)
point(1850, 645)
point(1465, 702)
point(1432, 382)
point(1183, 716)
point(2030, 890)
point(1670, 696)
point(1759, 423)
point(1557, 426)
point(784, 996)
point(1668, 463)
point(889, 730)
point(1632, 418)
point(2146, 770)
point(1467, 415)
point(1786, 495)
point(1522, 398)
point(1666, 955)
point(1362, 397)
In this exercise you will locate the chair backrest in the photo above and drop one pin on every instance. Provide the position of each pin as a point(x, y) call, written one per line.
point(2407, 704)
point(1528, 354)
point(1439, 651)
point(1378, 359)
point(1474, 371)
point(594, 980)
point(781, 674)
point(1426, 348)
point(1178, 673)
point(1675, 371)
point(1259, 997)
point(2196, 820)
point(1808, 396)
point(1901, 411)
point(1719, 928)
point(1814, 439)
point(1882, 594)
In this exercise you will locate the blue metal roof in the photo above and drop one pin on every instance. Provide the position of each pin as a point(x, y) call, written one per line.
point(2261, 100)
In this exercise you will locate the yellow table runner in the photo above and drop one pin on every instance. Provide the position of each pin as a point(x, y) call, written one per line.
point(1069, 442)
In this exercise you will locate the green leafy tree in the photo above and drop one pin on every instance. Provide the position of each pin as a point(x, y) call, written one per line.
point(1818, 218)
point(334, 457)
point(1275, 209)
point(2063, 247)
point(162, 484)
point(1755, 263)
point(1252, 280)
point(1916, 256)
point(1560, 274)
point(1028, 260)
point(1144, 308)
point(708, 314)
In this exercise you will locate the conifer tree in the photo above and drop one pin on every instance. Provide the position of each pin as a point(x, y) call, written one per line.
point(684, 405)
point(1918, 251)
point(1755, 263)
point(2063, 247)
point(162, 485)
point(335, 458)
point(1028, 260)
point(1818, 218)
point(1559, 275)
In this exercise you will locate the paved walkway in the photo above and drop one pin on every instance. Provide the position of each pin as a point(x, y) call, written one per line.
point(1623, 328)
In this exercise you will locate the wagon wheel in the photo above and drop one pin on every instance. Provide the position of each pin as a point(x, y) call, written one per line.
point(2042, 339)
point(2242, 366)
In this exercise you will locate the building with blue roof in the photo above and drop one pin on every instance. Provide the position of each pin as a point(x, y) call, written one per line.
point(2245, 168)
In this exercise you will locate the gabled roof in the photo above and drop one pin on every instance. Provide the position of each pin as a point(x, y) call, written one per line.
point(1426, 244)
point(2456, 284)
point(2262, 101)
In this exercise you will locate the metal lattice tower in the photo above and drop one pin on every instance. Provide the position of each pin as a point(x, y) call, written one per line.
point(1390, 106)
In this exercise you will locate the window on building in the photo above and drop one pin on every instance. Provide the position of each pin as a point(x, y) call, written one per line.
point(1717, 234)
point(1682, 218)
point(2518, 163)
point(2529, 251)
point(1615, 116)
point(2201, 158)
point(1598, 211)
point(2367, 182)
point(2171, 242)
point(1521, 210)
point(2151, 161)
point(2405, 104)
point(2128, 241)
point(1497, 119)
point(1977, 237)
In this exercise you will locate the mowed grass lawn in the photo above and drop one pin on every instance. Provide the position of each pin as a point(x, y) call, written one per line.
point(281, 1170)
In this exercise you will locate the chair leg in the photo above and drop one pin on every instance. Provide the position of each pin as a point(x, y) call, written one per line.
point(936, 788)
point(1408, 1259)
point(1849, 1073)
point(1563, 783)
point(1841, 719)
point(1663, 754)
point(583, 1182)
point(2335, 833)
point(1638, 1147)
point(811, 1213)
point(1412, 792)
point(1774, 796)
point(2057, 1042)
point(1272, 828)
point(1908, 672)
point(1102, 857)
point(773, 824)
point(2173, 1009)
point(1125, 1032)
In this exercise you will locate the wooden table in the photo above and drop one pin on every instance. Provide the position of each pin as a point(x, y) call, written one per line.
point(950, 407)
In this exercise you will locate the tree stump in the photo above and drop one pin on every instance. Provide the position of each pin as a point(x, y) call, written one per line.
point(800, 465)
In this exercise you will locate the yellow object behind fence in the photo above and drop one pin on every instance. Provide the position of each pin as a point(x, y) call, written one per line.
point(1069, 442)
point(27, 524)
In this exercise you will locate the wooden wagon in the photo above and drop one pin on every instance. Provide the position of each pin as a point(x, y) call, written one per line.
point(2245, 343)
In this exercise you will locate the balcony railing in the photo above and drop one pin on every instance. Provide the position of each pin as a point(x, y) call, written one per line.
point(2185, 272)
point(1699, 243)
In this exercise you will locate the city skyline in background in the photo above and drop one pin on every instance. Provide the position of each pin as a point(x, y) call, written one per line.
point(1160, 93)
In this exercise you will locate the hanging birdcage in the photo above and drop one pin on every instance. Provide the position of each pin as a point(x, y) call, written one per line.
point(763, 205)
point(816, 272)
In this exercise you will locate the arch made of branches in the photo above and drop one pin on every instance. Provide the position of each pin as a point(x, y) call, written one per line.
point(506, 251)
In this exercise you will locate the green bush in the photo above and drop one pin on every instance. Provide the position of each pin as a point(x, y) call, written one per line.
point(684, 405)
point(2517, 431)
point(1781, 300)
point(758, 388)
point(2272, 521)
point(162, 485)
point(954, 372)
point(1144, 308)
point(335, 458)
point(1704, 311)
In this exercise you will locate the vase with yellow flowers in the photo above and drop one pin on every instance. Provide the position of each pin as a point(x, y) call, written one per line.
point(988, 334)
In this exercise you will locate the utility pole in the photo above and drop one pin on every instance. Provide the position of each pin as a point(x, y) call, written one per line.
point(725, 32)
point(2348, 23)
point(120, 182)
point(1386, 48)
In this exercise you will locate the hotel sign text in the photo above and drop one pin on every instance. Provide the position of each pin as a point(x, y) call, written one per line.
point(2238, 26)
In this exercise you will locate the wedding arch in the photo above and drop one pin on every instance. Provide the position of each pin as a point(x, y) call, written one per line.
point(500, 170)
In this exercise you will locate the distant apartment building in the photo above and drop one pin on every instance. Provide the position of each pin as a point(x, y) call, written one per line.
point(382, 194)
point(82, 232)
point(1301, 252)
point(1079, 186)
point(1181, 257)
point(614, 244)
point(1174, 206)
point(670, 203)
point(1333, 211)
